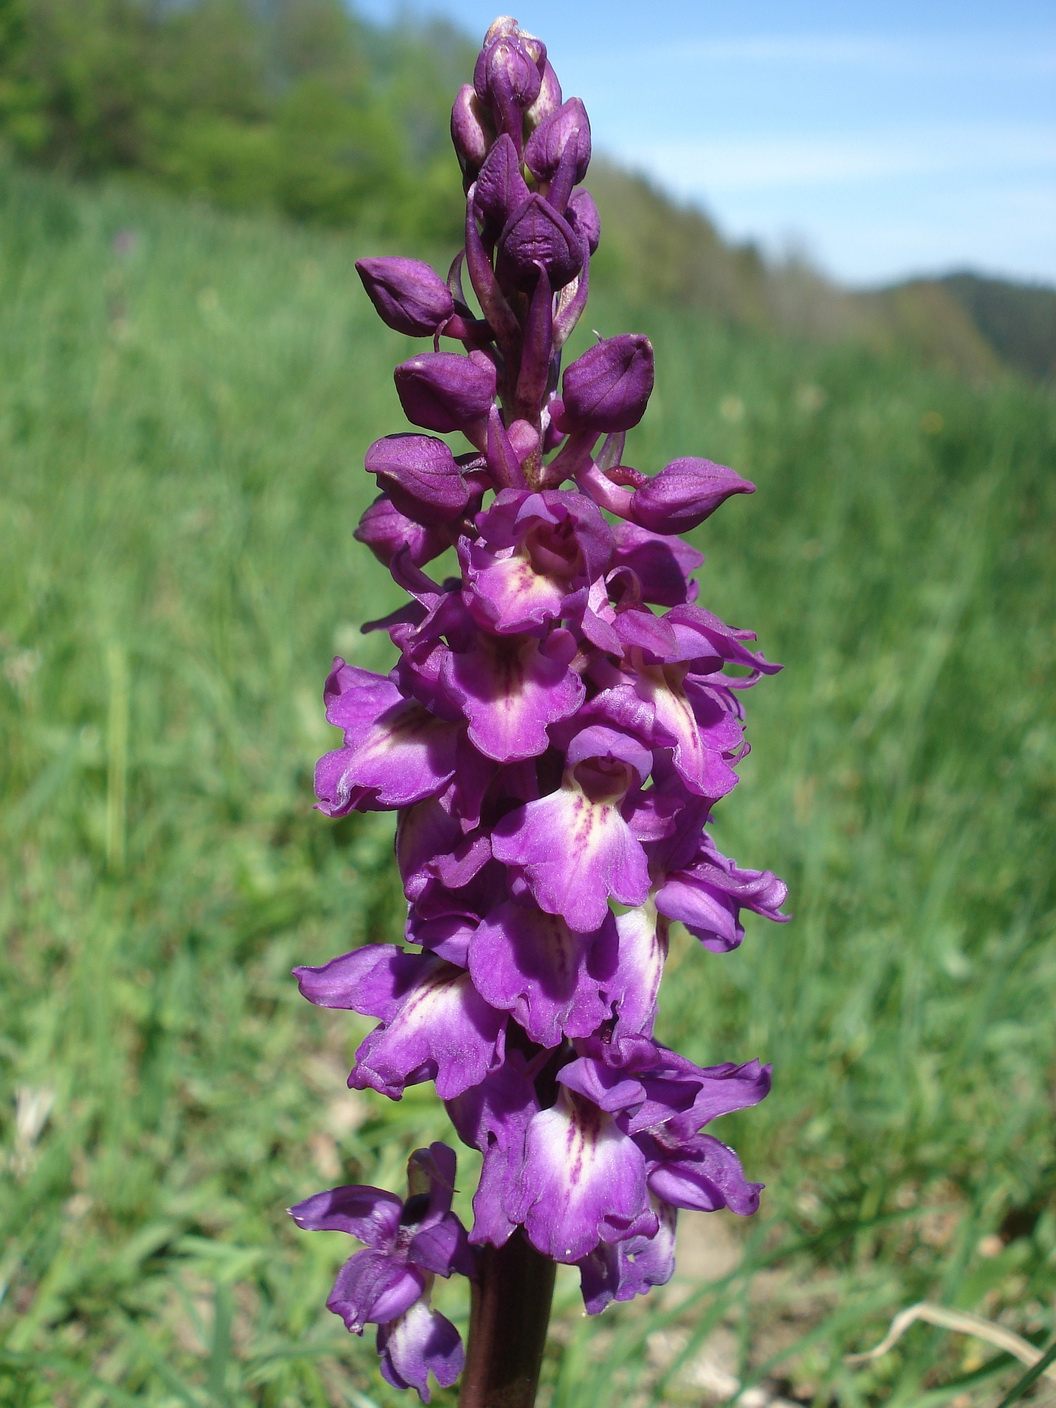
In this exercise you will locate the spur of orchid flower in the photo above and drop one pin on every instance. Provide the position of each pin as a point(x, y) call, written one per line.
point(560, 724)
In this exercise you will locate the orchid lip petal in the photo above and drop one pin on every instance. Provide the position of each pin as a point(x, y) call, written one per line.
point(554, 982)
point(416, 1344)
point(585, 1181)
point(574, 855)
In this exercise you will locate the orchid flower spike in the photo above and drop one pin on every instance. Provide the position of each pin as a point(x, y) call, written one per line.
point(562, 721)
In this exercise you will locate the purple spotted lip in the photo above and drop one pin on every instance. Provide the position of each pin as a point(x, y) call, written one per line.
point(563, 717)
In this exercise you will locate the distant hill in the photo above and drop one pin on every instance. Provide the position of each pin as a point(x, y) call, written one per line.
point(1017, 319)
point(661, 250)
point(974, 323)
point(658, 249)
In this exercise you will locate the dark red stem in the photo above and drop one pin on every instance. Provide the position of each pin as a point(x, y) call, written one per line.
point(508, 1317)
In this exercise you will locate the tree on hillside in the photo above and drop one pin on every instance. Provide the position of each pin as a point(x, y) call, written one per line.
point(296, 105)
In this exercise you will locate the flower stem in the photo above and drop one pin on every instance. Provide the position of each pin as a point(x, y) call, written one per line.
point(507, 1326)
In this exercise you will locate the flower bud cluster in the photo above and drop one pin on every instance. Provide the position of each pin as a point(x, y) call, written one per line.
point(562, 720)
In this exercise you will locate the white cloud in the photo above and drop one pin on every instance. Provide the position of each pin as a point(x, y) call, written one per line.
point(710, 166)
point(907, 54)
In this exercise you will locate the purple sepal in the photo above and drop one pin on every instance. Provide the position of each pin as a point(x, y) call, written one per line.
point(700, 634)
point(700, 1173)
point(652, 814)
point(549, 99)
point(493, 1117)
point(719, 1091)
point(708, 896)
point(371, 1214)
point(614, 1087)
point(658, 1092)
point(395, 752)
point(410, 297)
point(622, 1270)
point(636, 627)
point(351, 979)
point(702, 735)
point(353, 697)
point(582, 215)
point(446, 935)
point(420, 1342)
point(444, 391)
point(661, 563)
point(507, 77)
point(434, 1023)
point(642, 952)
point(536, 236)
point(420, 475)
point(555, 982)
point(463, 863)
point(611, 756)
point(372, 1287)
point(535, 551)
point(684, 494)
point(423, 833)
point(506, 73)
point(608, 387)
point(386, 531)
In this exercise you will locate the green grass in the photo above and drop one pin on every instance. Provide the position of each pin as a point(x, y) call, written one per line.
point(181, 431)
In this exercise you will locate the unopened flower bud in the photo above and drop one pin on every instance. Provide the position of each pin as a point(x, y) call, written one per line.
point(420, 476)
point(508, 76)
point(385, 530)
point(445, 391)
point(501, 188)
point(582, 215)
point(565, 133)
point(684, 494)
point(507, 72)
point(537, 235)
point(470, 130)
point(410, 296)
point(607, 389)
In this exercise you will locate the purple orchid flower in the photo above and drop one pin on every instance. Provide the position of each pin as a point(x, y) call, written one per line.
point(388, 1283)
point(562, 719)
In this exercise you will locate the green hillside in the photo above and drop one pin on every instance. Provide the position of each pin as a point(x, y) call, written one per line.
point(1017, 319)
point(185, 397)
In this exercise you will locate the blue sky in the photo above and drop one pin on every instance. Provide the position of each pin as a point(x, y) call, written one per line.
point(881, 140)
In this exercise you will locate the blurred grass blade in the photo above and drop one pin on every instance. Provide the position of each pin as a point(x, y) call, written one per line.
point(220, 1349)
point(963, 1323)
point(32, 1365)
point(117, 758)
point(1043, 1366)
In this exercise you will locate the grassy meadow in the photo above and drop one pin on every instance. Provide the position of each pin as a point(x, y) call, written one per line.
point(183, 413)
